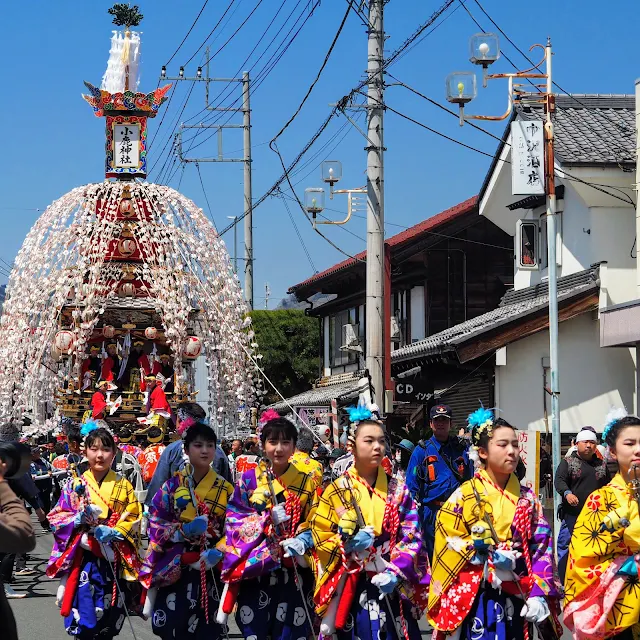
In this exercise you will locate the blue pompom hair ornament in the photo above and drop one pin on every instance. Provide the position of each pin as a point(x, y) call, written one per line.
point(88, 427)
point(479, 421)
point(359, 413)
point(480, 417)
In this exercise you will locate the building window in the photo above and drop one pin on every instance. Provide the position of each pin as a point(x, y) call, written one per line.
point(528, 245)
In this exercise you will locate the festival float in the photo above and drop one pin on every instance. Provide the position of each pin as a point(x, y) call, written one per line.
point(123, 288)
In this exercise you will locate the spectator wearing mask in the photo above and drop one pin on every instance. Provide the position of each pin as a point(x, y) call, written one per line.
point(16, 536)
point(576, 477)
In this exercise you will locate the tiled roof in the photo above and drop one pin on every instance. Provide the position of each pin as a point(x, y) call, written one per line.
point(320, 396)
point(593, 128)
point(424, 227)
point(515, 304)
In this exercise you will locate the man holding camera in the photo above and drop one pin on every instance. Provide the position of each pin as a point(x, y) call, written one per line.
point(16, 536)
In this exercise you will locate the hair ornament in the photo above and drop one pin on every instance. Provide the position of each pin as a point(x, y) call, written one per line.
point(363, 412)
point(88, 427)
point(266, 416)
point(614, 415)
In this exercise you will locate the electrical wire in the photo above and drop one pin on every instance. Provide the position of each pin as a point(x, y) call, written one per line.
point(217, 24)
point(204, 192)
point(327, 56)
point(188, 32)
point(300, 239)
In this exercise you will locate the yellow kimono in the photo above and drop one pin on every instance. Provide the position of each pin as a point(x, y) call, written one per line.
point(397, 543)
point(600, 602)
point(305, 463)
point(458, 591)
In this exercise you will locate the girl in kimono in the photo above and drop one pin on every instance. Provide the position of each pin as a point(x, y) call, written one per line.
point(265, 537)
point(370, 569)
point(493, 570)
point(96, 531)
point(186, 520)
point(602, 592)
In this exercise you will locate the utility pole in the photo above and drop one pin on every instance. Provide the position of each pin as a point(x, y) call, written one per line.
point(375, 328)
point(246, 159)
point(248, 200)
point(550, 190)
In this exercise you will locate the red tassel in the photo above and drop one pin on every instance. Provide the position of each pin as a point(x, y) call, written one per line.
point(72, 584)
point(344, 606)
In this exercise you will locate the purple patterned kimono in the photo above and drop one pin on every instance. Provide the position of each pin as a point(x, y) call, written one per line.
point(268, 597)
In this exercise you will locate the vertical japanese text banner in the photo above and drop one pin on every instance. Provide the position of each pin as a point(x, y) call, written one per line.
point(527, 157)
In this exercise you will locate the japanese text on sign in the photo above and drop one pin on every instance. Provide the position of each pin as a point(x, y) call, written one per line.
point(126, 141)
point(527, 157)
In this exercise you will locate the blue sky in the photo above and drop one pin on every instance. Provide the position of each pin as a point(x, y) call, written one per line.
point(52, 142)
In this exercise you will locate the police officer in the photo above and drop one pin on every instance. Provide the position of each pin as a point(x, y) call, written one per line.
point(436, 469)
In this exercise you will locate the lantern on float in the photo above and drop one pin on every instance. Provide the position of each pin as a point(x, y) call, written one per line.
point(151, 333)
point(108, 331)
point(126, 208)
point(127, 247)
point(127, 289)
point(192, 348)
point(63, 342)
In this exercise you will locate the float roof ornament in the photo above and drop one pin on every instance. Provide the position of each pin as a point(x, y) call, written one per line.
point(118, 100)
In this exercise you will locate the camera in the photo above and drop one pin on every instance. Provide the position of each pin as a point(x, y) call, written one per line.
point(17, 457)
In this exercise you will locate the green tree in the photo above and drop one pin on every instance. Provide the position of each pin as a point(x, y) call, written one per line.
point(290, 342)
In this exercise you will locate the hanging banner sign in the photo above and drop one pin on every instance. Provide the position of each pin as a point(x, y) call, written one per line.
point(527, 157)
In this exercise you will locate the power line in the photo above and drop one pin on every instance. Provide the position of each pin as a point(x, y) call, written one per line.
point(302, 244)
point(188, 32)
point(217, 24)
point(317, 78)
point(204, 192)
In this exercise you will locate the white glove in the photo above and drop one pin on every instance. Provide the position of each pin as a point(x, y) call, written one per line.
point(150, 600)
point(279, 515)
point(60, 591)
point(385, 581)
point(535, 609)
point(84, 542)
point(293, 547)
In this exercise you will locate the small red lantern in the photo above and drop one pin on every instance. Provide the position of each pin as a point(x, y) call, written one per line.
point(192, 348)
point(108, 331)
point(127, 289)
point(63, 342)
point(151, 333)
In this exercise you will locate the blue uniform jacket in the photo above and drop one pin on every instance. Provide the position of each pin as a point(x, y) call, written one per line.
point(173, 459)
point(436, 470)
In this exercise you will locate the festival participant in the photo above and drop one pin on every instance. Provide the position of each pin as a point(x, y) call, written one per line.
point(601, 586)
point(436, 469)
point(167, 371)
point(264, 539)
point(111, 364)
point(148, 458)
point(96, 530)
point(302, 457)
point(493, 570)
point(182, 539)
point(93, 362)
point(173, 457)
point(369, 546)
point(99, 404)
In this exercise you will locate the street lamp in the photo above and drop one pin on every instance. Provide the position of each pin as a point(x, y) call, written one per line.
point(331, 174)
point(314, 202)
point(484, 49)
point(461, 88)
